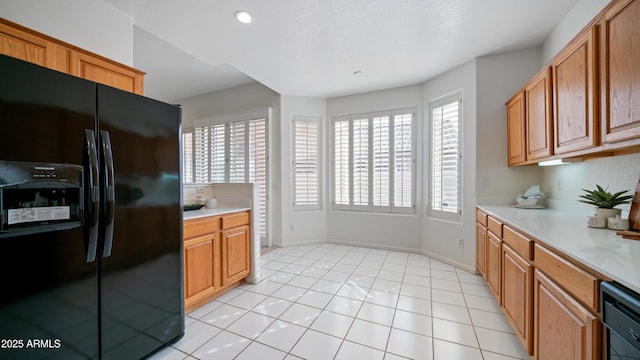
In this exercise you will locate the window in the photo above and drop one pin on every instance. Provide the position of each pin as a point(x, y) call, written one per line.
point(373, 162)
point(446, 157)
point(229, 150)
point(306, 165)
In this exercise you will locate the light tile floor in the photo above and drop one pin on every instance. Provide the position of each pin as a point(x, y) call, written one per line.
point(342, 302)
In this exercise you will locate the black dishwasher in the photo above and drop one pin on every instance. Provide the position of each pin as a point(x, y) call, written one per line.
point(621, 316)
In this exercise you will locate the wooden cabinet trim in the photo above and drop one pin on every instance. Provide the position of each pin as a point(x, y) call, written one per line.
point(582, 285)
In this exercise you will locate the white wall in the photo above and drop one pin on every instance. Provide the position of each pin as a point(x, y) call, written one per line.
point(440, 238)
point(400, 232)
point(499, 77)
point(309, 226)
point(579, 16)
point(254, 96)
point(93, 25)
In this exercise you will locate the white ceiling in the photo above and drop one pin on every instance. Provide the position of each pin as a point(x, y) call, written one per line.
point(312, 47)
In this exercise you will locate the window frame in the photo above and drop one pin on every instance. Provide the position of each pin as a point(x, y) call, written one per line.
point(296, 118)
point(348, 122)
point(439, 102)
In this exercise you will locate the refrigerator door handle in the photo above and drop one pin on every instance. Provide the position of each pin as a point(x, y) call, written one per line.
point(93, 203)
point(110, 193)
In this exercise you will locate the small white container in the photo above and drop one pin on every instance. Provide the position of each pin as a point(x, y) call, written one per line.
point(211, 203)
point(596, 222)
point(617, 223)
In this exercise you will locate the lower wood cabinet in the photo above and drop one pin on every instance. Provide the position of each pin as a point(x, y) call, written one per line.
point(481, 249)
point(551, 301)
point(564, 329)
point(235, 254)
point(517, 300)
point(494, 265)
point(199, 256)
point(216, 256)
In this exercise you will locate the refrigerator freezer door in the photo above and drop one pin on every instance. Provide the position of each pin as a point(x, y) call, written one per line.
point(49, 290)
point(141, 279)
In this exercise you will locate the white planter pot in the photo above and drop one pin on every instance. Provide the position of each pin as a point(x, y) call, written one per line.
point(607, 213)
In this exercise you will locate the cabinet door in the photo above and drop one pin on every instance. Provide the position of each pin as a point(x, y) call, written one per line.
point(199, 255)
point(235, 254)
point(517, 301)
point(620, 71)
point(494, 264)
point(516, 144)
point(564, 329)
point(538, 116)
point(574, 94)
point(104, 72)
point(481, 249)
point(22, 45)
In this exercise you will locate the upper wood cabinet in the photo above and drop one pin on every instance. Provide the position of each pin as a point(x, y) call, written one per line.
point(29, 45)
point(105, 72)
point(22, 45)
point(620, 71)
point(516, 143)
point(575, 94)
point(539, 125)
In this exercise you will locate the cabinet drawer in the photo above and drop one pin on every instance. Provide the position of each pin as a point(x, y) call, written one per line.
point(481, 217)
point(519, 243)
point(494, 226)
point(582, 285)
point(199, 227)
point(233, 220)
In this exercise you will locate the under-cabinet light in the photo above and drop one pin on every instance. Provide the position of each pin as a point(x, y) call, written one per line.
point(559, 162)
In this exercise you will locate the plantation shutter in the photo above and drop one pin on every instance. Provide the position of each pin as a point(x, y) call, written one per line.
point(403, 161)
point(217, 167)
point(237, 152)
point(258, 166)
point(187, 155)
point(381, 161)
point(341, 164)
point(306, 172)
point(202, 151)
point(446, 158)
point(361, 162)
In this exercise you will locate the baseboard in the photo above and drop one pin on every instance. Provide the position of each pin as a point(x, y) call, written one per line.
point(453, 263)
point(374, 246)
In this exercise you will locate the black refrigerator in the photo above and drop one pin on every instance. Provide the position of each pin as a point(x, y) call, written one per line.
point(90, 220)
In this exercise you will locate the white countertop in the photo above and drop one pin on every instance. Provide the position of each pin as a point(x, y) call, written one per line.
point(204, 212)
point(599, 249)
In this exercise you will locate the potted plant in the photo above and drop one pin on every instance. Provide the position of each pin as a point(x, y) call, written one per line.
point(604, 201)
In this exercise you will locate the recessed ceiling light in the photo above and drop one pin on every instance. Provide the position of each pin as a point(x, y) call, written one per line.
point(243, 16)
point(357, 72)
